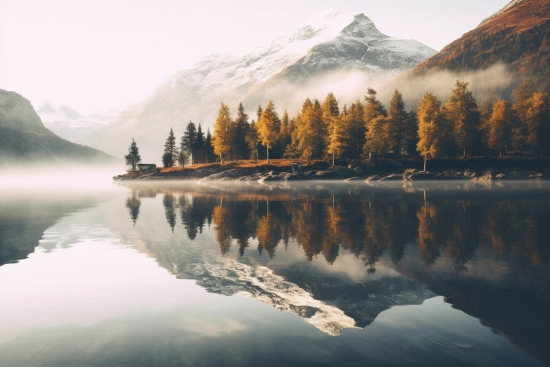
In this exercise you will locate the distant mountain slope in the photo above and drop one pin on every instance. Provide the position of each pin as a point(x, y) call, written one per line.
point(331, 42)
point(24, 139)
point(70, 124)
point(517, 35)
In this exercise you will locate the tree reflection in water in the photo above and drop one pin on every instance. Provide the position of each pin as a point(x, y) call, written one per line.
point(448, 231)
point(368, 224)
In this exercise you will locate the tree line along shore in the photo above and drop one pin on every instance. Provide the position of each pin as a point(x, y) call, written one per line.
point(365, 132)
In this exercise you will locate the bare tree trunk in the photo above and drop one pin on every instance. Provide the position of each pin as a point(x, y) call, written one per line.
point(332, 159)
point(267, 149)
point(425, 159)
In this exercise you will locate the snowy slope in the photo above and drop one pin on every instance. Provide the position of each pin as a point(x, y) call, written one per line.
point(70, 124)
point(329, 42)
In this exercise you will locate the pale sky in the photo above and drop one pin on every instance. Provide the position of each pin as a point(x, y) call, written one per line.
point(94, 55)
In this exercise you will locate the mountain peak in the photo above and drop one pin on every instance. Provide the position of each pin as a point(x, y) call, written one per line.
point(361, 27)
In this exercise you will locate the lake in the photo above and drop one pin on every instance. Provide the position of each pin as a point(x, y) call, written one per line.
point(318, 274)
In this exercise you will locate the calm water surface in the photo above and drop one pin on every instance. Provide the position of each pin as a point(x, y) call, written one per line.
point(180, 274)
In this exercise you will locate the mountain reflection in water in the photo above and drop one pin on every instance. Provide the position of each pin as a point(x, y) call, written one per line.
point(486, 251)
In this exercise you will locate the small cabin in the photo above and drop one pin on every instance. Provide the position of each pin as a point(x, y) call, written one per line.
point(146, 167)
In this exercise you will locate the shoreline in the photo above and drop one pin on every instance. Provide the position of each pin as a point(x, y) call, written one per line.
point(383, 170)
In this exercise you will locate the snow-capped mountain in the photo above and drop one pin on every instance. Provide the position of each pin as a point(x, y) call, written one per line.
point(331, 42)
point(70, 124)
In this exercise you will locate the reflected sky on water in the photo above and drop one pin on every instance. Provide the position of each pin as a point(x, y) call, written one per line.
point(187, 274)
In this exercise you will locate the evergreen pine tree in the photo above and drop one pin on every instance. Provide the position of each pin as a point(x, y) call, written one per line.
point(200, 150)
point(189, 141)
point(209, 149)
point(397, 123)
point(353, 119)
point(242, 126)
point(373, 110)
point(171, 152)
point(132, 158)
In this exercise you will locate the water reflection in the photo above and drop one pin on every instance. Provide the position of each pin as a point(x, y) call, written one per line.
point(485, 251)
point(366, 223)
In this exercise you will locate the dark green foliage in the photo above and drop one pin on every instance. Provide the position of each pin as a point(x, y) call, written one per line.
point(170, 155)
point(189, 141)
point(132, 158)
point(240, 148)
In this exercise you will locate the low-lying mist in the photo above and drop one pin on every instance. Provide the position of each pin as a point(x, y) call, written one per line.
point(486, 85)
point(46, 176)
point(348, 86)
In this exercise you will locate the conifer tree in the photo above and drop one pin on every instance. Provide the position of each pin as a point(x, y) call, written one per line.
point(240, 145)
point(285, 137)
point(463, 113)
point(372, 110)
point(253, 139)
point(209, 149)
point(133, 204)
point(189, 141)
point(132, 158)
point(221, 137)
point(430, 122)
point(269, 127)
point(397, 123)
point(310, 129)
point(201, 148)
point(500, 126)
point(353, 118)
point(171, 153)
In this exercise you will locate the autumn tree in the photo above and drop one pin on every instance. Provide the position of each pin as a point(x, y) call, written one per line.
point(377, 136)
point(463, 113)
point(222, 132)
point(500, 126)
point(519, 129)
point(223, 236)
point(430, 123)
point(338, 138)
point(310, 129)
point(132, 158)
point(171, 152)
point(538, 122)
point(337, 135)
point(269, 127)
point(373, 110)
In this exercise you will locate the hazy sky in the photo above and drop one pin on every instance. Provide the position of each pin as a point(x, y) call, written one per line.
point(98, 54)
